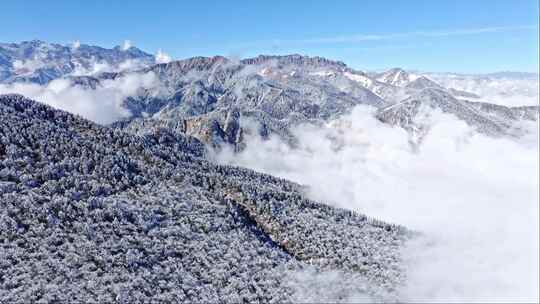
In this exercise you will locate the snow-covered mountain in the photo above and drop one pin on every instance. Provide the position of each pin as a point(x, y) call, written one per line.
point(396, 77)
point(138, 210)
point(215, 98)
point(97, 214)
point(275, 91)
point(208, 97)
point(415, 114)
point(40, 62)
point(422, 82)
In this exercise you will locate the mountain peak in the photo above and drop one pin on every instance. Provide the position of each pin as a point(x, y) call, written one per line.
point(422, 82)
point(396, 76)
point(294, 59)
point(396, 70)
point(199, 63)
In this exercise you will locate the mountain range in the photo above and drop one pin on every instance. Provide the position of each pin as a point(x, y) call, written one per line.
point(40, 62)
point(212, 98)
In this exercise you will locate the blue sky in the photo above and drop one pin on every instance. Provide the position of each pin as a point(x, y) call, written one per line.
point(430, 35)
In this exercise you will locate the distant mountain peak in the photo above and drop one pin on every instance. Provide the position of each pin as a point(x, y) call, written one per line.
point(422, 82)
point(198, 63)
point(295, 59)
point(396, 77)
point(396, 70)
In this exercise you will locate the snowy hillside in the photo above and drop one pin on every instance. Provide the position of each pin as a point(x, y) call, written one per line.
point(91, 213)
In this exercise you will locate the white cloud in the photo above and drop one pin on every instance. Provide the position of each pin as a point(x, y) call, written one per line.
point(471, 31)
point(28, 66)
point(474, 198)
point(94, 68)
point(130, 65)
point(97, 67)
point(162, 57)
point(363, 37)
point(103, 105)
point(434, 34)
point(504, 91)
point(314, 286)
point(76, 44)
point(126, 45)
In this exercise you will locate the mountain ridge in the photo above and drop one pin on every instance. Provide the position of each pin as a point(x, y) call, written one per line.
point(95, 213)
point(221, 85)
point(198, 95)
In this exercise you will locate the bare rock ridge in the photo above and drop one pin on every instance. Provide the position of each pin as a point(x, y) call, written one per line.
point(94, 213)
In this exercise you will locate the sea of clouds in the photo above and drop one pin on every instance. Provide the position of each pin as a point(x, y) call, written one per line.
point(505, 89)
point(473, 198)
point(102, 105)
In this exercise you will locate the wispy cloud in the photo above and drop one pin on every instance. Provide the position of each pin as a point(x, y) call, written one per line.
point(471, 31)
point(434, 34)
point(345, 38)
point(366, 37)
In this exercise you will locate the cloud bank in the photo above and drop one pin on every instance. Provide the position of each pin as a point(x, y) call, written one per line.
point(103, 105)
point(499, 90)
point(473, 198)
